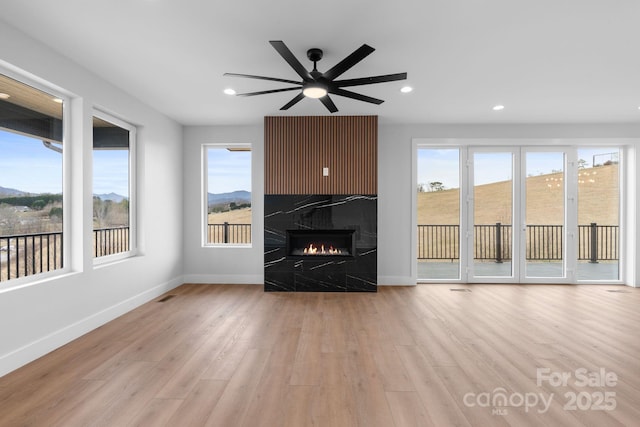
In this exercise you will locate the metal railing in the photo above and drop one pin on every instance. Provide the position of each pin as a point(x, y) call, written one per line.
point(109, 241)
point(543, 242)
point(27, 254)
point(599, 242)
point(438, 242)
point(491, 242)
point(229, 233)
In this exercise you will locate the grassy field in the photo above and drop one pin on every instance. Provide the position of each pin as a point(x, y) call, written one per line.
point(238, 216)
point(597, 200)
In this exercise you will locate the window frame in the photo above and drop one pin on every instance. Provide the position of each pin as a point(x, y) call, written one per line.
point(133, 229)
point(204, 209)
point(626, 194)
point(42, 85)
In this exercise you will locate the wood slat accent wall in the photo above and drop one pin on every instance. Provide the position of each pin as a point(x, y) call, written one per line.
point(297, 148)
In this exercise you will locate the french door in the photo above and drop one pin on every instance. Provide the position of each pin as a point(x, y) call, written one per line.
point(519, 214)
point(518, 226)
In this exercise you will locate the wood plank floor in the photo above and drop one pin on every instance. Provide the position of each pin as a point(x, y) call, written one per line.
point(232, 355)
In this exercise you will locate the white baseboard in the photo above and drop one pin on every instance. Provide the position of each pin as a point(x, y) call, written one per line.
point(235, 279)
point(32, 351)
point(396, 281)
point(231, 279)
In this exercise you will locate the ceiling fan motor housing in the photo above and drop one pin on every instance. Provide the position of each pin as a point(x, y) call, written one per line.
point(314, 54)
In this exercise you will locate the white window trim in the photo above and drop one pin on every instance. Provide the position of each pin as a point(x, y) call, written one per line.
point(204, 190)
point(133, 211)
point(40, 84)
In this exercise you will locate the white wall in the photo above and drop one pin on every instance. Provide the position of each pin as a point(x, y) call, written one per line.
point(395, 183)
point(222, 264)
point(39, 317)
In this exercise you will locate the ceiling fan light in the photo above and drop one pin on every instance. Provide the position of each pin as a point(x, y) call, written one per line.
point(314, 91)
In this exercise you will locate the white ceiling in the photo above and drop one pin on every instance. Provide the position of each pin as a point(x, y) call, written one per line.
point(547, 61)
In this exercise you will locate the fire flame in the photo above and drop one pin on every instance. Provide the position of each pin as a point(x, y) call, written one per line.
point(314, 250)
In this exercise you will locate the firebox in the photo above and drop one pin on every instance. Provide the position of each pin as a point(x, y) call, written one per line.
point(307, 244)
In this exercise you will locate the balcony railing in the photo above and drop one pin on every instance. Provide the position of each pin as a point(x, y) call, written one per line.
point(27, 254)
point(229, 233)
point(109, 241)
point(543, 242)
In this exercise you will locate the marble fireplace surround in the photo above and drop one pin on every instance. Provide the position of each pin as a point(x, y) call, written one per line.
point(357, 273)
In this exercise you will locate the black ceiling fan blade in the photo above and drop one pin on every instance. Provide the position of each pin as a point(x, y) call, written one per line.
point(264, 92)
point(288, 56)
point(329, 103)
point(348, 62)
point(353, 95)
point(273, 79)
point(370, 80)
point(293, 102)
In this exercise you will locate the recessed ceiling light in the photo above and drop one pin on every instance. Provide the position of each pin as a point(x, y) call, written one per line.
point(229, 91)
point(58, 100)
point(4, 96)
point(498, 107)
point(406, 89)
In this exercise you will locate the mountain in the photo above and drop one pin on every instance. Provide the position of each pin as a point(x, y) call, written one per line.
point(240, 196)
point(11, 192)
point(116, 198)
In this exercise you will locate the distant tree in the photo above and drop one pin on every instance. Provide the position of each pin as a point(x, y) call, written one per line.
point(582, 163)
point(56, 213)
point(436, 186)
point(39, 204)
point(422, 188)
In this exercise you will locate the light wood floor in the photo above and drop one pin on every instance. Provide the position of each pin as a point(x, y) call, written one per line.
point(230, 355)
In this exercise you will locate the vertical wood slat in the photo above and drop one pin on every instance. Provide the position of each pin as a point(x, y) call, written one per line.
point(297, 148)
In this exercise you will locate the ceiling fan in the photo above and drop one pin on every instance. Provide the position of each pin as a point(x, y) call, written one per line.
point(319, 85)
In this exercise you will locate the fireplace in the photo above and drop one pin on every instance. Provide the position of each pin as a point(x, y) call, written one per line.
point(304, 244)
point(345, 225)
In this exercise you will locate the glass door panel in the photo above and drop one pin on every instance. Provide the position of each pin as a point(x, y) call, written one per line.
point(598, 214)
point(544, 216)
point(491, 231)
point(438, 213)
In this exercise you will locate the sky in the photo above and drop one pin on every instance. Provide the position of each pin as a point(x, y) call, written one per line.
point(27, 165)
point(442, 165)
point(228, 170)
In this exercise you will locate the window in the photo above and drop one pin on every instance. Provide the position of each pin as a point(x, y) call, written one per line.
point(438, 213)
point(227, 195)
point(598, 213)
point(31, 180)
point(112, 196)
point(538, 213)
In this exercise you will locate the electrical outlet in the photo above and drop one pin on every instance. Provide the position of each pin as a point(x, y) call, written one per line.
point(325, 171)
